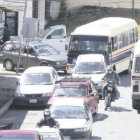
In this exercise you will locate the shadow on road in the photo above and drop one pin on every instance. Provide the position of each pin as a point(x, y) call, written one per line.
point(119, 109)
point(96, 138)
point(125, 79)
point(99, 117)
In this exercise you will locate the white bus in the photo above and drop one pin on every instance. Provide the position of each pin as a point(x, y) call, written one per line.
point(135, 77)
point(115, 37)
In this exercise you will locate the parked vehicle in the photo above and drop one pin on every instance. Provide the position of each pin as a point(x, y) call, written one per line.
point(115, 40)
point(109, 93)
point(35, 86)
point(48, 133)
point(55, 36)
point(135, 78)
point(19, 135)
point(74, 117)
point(93, 66)
point(9, 56)
point(77, 88)
point(6, 126)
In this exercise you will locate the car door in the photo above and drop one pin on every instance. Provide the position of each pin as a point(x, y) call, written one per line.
point(93, 97)
point(56, 38)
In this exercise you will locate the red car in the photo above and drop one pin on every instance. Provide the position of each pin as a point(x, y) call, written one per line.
point(77, 88)
point(19, 135)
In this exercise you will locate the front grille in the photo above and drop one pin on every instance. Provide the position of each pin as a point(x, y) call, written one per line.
point(33, 95)
point(67, 131)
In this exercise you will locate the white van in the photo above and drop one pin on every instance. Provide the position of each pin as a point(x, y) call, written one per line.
point(56, 37)
point(91, 65)
point(135, 77)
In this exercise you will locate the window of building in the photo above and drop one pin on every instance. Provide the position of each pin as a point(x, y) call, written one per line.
point(35, 8)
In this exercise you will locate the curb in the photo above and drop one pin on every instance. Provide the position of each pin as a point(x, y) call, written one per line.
point(5, 107)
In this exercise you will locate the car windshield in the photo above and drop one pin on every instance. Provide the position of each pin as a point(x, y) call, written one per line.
point(71, 90)
point(71, 112)
point(36, 79)
point(46, 32)
point(49, 136)
point(90, 68)
point(45, 49)
point(17, 137)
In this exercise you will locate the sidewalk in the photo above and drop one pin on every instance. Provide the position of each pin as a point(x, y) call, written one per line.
point(7, 89)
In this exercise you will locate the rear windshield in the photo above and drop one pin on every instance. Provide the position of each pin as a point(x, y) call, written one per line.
point(137, 65)
point(17, 137)
point(71, 90)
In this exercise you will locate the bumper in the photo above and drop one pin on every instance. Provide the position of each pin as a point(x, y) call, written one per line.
point(26, 101)
point(73, 134)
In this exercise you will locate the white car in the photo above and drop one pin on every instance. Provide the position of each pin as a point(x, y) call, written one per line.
point(73, 116)
point(35, 86)
point(91, 65)
point(48, 133)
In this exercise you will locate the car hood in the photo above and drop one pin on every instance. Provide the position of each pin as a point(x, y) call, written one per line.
point(55, 57)
point(34, 89)
point(71, 123)
point(94, 77)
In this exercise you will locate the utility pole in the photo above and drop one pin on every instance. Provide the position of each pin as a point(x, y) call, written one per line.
point(18, 64)
point(133, 13)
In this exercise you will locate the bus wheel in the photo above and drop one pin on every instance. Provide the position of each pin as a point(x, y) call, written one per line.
point(134, 104)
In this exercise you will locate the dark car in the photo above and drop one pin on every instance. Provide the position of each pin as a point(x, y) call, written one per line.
point(33, 55)
point(77, 88)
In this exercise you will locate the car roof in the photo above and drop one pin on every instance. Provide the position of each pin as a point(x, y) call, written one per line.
point(68, 101)
point(38, 69)
point(14, 132)
point(74, 81)
point(90, 58)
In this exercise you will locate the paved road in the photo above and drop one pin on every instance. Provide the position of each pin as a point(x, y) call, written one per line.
point(120, 122)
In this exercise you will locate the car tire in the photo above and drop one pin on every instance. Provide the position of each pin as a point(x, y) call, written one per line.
point(9, 66)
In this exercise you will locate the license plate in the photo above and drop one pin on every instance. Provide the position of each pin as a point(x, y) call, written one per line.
point(33, 101)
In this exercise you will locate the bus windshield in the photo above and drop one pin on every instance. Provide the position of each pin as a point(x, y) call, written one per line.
point(88, 43)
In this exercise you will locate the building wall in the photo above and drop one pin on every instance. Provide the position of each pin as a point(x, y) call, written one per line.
point(72, 4)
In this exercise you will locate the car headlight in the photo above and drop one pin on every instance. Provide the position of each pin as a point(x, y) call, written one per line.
point(19, 95)
point(58, 63)
point(46, 94)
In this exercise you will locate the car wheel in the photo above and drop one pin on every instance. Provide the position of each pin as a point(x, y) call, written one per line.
point(9, 66)
point(135, 105)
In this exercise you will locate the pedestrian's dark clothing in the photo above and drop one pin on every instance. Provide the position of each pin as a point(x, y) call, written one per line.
point(50, 122)
point(113, 76)
point(6, 35)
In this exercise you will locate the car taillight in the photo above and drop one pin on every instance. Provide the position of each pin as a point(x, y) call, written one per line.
point(135, 88)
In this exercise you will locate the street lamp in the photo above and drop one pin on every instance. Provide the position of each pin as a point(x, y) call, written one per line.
point(133, 14)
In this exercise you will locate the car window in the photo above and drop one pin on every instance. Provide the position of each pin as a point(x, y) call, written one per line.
point(76, 112)
point(8, 47)
point(90, 68)
point(70, 90)
point(36, 79)
point(49, 136)
point(59, 32)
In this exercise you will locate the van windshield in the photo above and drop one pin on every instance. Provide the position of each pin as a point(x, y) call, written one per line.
point(88, 43)
point(90, 68)
point(137, 65)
